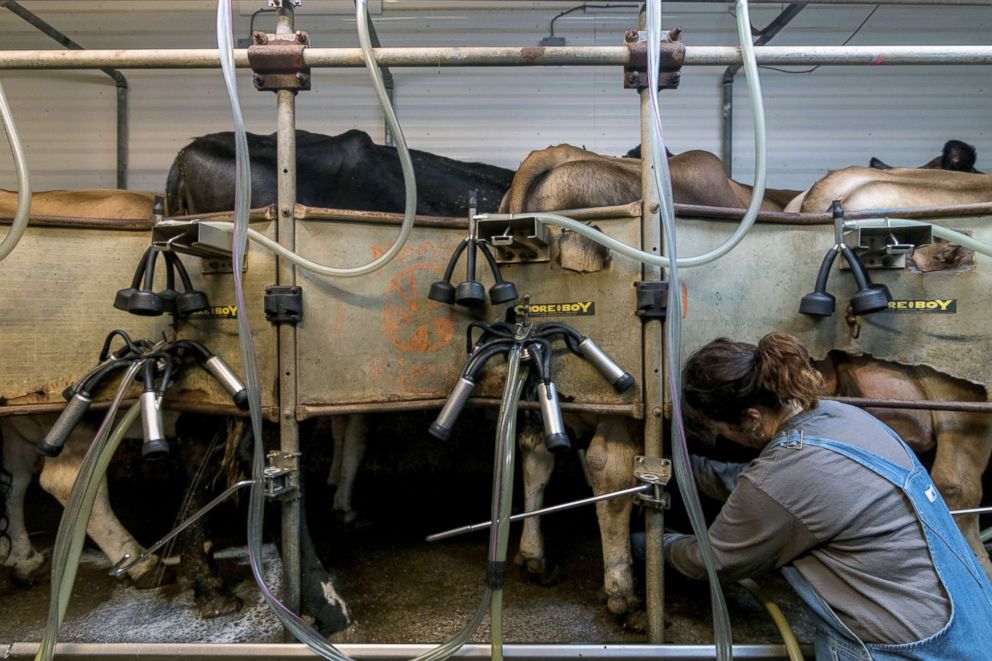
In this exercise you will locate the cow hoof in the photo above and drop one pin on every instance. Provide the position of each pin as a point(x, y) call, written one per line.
point(216, 604)
point(350, 520)
point(635, 622)
point(27, 572)
point(539, 570)
point(620, 604)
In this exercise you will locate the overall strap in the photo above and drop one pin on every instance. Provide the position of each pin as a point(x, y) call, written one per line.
point(795, 439)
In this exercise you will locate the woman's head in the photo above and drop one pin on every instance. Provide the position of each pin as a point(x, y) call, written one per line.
point(747, 387)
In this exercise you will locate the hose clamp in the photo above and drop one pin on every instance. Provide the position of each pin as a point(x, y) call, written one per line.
point(657, 472)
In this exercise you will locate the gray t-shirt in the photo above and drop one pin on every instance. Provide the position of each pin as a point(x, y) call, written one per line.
point(852, 534)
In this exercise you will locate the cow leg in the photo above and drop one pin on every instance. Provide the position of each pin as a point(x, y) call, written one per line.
point(350, 433)
point(611, 462)
point(197, 568)
point(57, 478)
point(25, 562)
point(964, 445)
point(538, 464)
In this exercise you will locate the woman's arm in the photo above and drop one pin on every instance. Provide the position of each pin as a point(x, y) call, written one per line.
point(752, 534)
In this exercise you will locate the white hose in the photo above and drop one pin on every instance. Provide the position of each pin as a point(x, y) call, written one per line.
point(23, 211)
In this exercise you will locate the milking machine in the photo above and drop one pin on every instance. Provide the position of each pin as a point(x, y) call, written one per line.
point(869, 298)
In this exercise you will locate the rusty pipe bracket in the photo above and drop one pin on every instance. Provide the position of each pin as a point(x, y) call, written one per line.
point(282, 475)
point(277, 60)
point(656, 472)
point(635, 74)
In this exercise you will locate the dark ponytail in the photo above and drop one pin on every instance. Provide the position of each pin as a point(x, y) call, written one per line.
point(725, 378)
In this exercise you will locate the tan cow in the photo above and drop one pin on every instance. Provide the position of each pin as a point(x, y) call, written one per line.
point(867, 188)
point(566, 177)
point(92, 203)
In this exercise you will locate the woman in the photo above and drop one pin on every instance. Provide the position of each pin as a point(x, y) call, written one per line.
point(841, 504)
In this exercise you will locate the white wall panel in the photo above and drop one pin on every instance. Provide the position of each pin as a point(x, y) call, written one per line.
point(832, 117)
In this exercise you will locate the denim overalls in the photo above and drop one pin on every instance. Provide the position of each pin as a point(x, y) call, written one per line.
point(967, 635)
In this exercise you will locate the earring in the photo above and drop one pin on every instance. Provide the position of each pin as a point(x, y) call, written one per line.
point(756, 433)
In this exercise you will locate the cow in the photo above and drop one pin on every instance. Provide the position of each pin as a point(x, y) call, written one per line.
point(592, 182)
point(20, 433)
point(99, 203)
point(947, 180)
point(346, 171)
point(58, 474)
point(956, 156)
point(546, 180)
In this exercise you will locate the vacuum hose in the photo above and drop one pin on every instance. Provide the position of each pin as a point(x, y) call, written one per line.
point(23, 211)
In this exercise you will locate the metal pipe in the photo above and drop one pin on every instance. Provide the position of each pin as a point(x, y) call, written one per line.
point(315, 411)
point(289, 430)
point(974, 510)
point(653, 382)
point(921, 405)
point(370, 652)
point(455, 532)
point(180, 58)
point(764, 36)
point(119, 80)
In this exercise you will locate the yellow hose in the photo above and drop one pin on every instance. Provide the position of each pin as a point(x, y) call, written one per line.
point(778, 617)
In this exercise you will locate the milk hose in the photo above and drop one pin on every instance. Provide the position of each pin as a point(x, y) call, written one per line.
point(778, 617)
point(499, 535)
point(23, 211)
point(72, 527)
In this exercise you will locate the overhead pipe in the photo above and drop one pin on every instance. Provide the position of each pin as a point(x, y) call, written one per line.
point(119, 81)
point(763, 37)
point(499, 56)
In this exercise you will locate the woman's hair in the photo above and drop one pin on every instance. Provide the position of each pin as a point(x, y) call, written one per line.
point(725, 378)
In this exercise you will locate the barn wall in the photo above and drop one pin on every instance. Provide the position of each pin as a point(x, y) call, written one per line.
point(828, 118)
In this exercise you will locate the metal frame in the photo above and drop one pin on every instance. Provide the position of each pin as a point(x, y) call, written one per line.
point(651, 240)
point(119, 81)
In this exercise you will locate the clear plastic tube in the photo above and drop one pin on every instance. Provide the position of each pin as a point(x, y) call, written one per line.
point(23, 211)
point(72, 527)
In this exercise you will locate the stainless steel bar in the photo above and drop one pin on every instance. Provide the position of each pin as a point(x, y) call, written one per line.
point(921, 405)
point(501, 57)
point(274, 652)
point(126, 562)
point(974, 510)
point(652, 382)
point(314, 411)
point(289, 429)
point(455, 532)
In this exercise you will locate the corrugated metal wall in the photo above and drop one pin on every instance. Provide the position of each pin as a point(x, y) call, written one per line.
point(831, 117)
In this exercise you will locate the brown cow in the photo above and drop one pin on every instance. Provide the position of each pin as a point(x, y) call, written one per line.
point(566, 177)
point(963, 440)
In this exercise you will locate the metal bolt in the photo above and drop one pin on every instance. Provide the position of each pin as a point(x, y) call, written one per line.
point(630, 77)
point(288, 414)
point(287, 212)
point(630, 35)
point(259, 80)
point(260, 38)
point(656, 412)
point(301, 78)
point(675, 35)
point(301, 36)
point(654, 207)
